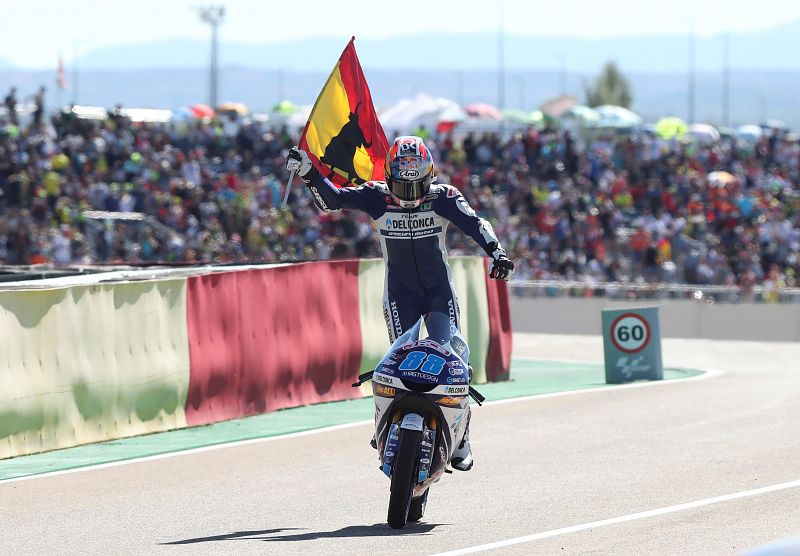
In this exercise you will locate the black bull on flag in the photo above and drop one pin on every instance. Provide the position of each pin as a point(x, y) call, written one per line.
point(341, 151)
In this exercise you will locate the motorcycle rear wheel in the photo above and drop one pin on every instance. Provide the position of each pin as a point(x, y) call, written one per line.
point(402, 485)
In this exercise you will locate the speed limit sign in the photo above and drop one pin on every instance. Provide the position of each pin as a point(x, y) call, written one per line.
point(630, 333)
point(632, 345)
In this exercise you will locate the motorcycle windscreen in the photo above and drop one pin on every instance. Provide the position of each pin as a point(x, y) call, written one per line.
point(410, 335)
point(440, 330)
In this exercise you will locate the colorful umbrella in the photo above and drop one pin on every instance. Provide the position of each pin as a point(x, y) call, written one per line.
point(539, 117)
point(483, 111)
point(182, 114)
point(407, 113)
point(202, 111)
point(588, 116)
point(749, 132)
point(238, 107)
point(522, 117)
point(617, 116)
point(285, 107)
point(558, 107)
point(449, 118)
point(775, 124)
point(704, 133)
point(452, 113)
point(671, 127)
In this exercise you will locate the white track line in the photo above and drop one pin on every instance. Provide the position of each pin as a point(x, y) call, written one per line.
point(706, 374)
point(621, 519)
point(154, 457)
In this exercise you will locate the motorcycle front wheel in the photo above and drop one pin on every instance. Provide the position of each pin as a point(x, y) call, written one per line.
point(417, 508)
point(402, 485)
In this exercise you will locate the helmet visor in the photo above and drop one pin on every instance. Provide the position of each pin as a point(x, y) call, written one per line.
point(409, 190)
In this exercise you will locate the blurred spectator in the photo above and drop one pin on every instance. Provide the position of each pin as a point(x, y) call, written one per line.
point(11, 106)
point(38, 102)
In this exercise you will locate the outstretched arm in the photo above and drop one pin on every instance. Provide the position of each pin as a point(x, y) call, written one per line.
point(453, 206)
point(327, 196)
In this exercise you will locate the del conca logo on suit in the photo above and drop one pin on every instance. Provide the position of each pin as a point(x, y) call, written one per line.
point(413, 224)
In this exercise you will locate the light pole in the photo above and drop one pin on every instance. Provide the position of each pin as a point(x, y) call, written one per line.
point(691, 87)
point(213, 15)
point(726, 79)
point(501, 59)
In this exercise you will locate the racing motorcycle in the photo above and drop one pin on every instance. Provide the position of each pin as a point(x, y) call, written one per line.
point(421, 391)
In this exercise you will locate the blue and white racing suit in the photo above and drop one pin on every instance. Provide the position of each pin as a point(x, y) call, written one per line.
point(418, 279)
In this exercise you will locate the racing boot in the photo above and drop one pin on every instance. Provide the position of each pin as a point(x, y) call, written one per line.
point(462, 457)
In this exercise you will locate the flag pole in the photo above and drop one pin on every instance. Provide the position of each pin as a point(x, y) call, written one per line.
point(288, 188)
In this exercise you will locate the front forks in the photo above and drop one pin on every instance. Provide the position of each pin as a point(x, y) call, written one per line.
point(411, 421)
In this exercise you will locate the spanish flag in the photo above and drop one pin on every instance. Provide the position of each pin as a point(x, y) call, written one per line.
point(343, 137)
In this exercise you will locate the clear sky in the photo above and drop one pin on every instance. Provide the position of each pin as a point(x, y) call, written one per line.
point(34, 32)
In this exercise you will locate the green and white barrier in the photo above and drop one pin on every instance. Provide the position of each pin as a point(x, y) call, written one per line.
point(89, 363)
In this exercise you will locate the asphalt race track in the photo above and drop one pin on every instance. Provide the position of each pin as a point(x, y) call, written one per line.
point(677, 467)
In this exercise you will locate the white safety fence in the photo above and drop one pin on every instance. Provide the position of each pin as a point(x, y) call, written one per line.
point(658, 291)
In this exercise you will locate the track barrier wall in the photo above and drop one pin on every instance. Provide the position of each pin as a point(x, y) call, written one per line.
point(470, 280)
point(93, 362)
point(262, 340)
point(498, 359)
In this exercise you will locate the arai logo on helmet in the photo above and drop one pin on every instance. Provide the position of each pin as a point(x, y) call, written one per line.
point(408, 174)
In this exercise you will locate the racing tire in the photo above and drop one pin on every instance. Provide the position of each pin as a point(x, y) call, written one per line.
point(402, 485)
point(417, 508)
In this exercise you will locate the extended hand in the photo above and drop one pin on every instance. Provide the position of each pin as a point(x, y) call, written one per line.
point(501, 267)
point(298, 161)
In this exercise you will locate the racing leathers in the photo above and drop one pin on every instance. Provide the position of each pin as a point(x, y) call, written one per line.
point(418, 277)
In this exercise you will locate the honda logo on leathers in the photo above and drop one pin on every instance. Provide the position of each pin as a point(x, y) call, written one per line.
point(398, 328)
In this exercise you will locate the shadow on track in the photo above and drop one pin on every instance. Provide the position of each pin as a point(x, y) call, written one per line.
point(376, 530)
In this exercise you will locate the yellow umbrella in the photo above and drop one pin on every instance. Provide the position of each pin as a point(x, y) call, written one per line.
point(670, 127)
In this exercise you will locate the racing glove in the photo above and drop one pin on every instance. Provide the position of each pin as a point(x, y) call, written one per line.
point(500, 267)
point(298, 161)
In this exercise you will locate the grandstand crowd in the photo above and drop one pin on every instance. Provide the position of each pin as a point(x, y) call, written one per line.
point(605, 206)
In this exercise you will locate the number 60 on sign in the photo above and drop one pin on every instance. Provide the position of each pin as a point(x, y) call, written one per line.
point(630, 333)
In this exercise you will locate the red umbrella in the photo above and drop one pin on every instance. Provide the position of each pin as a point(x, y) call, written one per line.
point(202, 111)
point(445, 127)
point(484, 111)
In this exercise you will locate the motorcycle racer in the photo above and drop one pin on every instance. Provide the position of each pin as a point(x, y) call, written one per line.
point(411, 214)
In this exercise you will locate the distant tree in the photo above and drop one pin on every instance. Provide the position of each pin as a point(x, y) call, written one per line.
point(610, 87)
